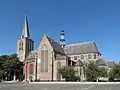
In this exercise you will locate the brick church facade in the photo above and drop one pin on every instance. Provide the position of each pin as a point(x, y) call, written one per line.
point(43, 63)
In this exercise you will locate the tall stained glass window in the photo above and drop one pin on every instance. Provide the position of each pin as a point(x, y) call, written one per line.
point(44, 59)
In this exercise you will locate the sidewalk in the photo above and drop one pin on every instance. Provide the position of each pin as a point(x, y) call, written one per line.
point(75, 83)
point(9, 81)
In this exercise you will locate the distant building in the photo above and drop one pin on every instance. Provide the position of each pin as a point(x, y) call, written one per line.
point(106, 63)
point(43, 63)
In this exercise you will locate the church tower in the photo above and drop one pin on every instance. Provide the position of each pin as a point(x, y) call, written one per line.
point(25, 44)
point(62, 38)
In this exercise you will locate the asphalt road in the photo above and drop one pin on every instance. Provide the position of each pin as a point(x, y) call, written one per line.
point(23, 86)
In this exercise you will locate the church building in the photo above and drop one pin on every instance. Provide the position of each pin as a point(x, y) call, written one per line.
point(43, 63)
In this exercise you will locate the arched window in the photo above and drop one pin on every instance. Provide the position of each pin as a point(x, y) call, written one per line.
point(89, 56)
point(21, 45)
point(44, 59)
point(95, 56)
point(29, 46)
point(58, 67)
point(82, 57)
point(31, 69)
point(44, 47)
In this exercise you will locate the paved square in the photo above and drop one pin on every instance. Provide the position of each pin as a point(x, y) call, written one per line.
point(23, 86)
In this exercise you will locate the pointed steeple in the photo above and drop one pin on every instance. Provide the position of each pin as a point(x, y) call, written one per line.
point(25, 32)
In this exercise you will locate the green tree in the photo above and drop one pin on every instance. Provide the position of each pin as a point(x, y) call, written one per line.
point(114, 73)
point(102, 72)
point(68, 73)
point(12, 67)
point(3, 59)
point(93, 72)
point(2, 74)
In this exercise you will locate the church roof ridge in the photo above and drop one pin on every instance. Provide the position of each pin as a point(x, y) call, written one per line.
point(79, 48)
point(80, 43)
point(52, 39)
point(56, 46)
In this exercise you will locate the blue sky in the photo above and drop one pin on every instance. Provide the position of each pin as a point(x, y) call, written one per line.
point(84, 20)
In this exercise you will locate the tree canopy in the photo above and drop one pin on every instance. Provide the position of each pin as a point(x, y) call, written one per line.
point(114, 73)
point(10, 66)
point(93, 72)
point(68, 73)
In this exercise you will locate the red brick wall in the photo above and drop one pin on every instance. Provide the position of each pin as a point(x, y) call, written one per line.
point(27, 69)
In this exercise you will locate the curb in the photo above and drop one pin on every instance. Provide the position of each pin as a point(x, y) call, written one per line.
point(74, 83)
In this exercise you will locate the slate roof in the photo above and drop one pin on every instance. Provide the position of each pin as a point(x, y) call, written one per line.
point(81, 48)
point(56, 46)
point(102, 62)
point(31, 55)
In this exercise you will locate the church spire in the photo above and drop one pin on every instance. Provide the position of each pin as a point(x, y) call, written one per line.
point(25, 32)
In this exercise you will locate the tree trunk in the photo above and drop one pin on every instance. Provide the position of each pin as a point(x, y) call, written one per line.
point(97, 80)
